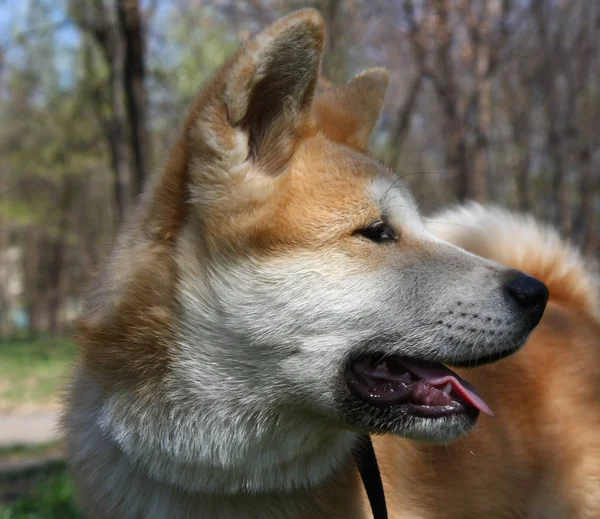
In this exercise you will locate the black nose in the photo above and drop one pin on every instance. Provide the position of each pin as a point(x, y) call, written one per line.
point(530, 294)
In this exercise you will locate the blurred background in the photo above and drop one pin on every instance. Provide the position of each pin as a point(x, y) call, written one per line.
point(492, 100)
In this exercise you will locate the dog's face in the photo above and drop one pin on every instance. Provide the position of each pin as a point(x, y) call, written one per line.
point(308, 281)
point(333, 272)
point(279, 289)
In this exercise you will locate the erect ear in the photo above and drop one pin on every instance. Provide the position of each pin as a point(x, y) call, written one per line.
point(260, 101)
point(348, 113)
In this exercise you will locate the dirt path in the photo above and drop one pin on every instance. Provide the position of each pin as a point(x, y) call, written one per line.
point(28, 428)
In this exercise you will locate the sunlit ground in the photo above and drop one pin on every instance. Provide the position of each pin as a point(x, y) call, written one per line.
point(32, 372)
point(33, 480)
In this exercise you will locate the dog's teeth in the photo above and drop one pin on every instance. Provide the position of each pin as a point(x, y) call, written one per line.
point(447, 388)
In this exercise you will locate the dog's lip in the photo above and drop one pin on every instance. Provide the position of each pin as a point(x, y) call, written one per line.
point(486, 359)
point(426, 389)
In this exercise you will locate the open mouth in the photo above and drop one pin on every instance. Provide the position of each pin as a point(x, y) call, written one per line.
point(425, 389)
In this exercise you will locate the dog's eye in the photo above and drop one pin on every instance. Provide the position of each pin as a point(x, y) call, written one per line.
point(378, 231)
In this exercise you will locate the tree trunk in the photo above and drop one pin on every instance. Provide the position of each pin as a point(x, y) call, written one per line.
point(458, 163)
point(483, 111)
point(333, 65)
point(588, 190)
point(132, 31)
point(558, 194)
point(522, 179)
point(101, 23)
point(55, 259)
point(519, 120)
point(31, 281)
point(117, 133)
point(4, 245)
point(447, 89)
point(480, 153)
point(402, 126)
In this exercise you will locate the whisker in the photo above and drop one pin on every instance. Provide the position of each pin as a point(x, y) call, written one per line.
point(465, 444)
point(381, 200)
point(450, 455)
point(399, 205)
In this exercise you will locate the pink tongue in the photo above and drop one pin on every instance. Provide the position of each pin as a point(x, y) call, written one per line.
point(438, 375)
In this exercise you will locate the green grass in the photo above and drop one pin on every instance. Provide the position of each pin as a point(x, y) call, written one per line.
point(42, 490)
point(32, 372)
point(46, 493)
point(27, 452)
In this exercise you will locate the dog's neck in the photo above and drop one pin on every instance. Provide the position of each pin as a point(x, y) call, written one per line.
point(316, 479)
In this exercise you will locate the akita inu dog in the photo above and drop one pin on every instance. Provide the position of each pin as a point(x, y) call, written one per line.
point(276, 295)
point(539, 456)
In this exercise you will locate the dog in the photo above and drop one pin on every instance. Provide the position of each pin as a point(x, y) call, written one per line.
point(539, 457)
point(275, 295)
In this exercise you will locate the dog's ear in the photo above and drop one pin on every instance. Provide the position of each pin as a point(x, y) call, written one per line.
point(241, 131)
point(348, 113)
point(260, 101)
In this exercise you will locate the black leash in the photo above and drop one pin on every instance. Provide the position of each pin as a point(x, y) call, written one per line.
point(364, 454)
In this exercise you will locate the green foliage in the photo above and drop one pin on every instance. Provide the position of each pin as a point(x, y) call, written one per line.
point(49, 494)
point(33, 371)
point(202, 45)
point(195, 44)
point(49, 132)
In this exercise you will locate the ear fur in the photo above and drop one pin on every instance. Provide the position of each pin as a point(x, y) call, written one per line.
point(348, 113)
point(260, 100)
point(277, 67)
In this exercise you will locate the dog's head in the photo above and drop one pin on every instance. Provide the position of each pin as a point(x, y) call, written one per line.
point(307, 289)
